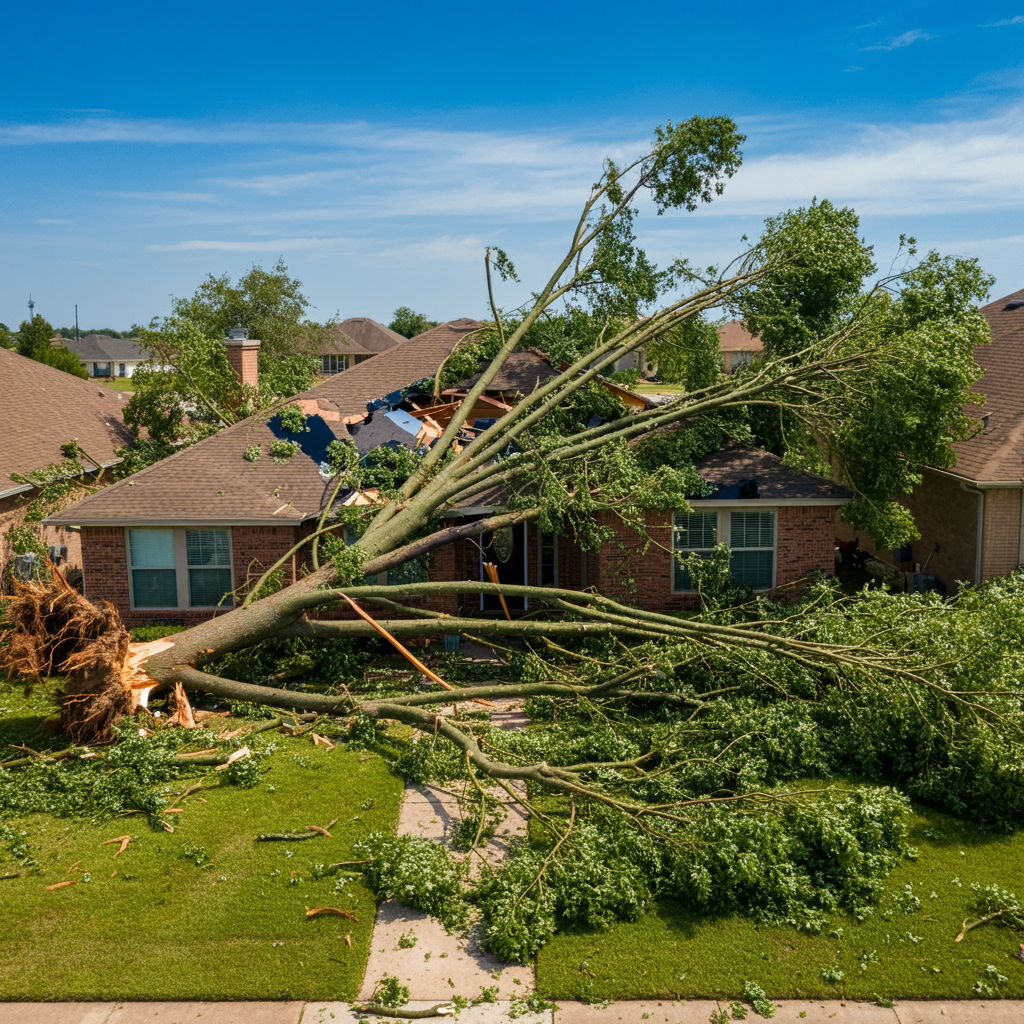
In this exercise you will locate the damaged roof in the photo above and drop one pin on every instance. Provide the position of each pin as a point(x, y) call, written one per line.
point(213, 482)
point(735, 463)
point(997, 453)
point(522, 373)
point(42, 408)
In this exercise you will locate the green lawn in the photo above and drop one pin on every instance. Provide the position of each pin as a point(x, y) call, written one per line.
point(117, 383)
point(154, 924)
point(907, 951)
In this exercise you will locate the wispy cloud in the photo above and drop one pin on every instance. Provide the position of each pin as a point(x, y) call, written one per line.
point(915, 35)
point(1017, 19)
point(262, 245)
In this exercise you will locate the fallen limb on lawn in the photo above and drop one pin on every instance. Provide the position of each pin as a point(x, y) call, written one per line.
point(312, 831)
point(440, 1010)
point(331, 910)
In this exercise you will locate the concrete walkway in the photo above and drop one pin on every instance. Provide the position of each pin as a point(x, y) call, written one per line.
point(695, 1012)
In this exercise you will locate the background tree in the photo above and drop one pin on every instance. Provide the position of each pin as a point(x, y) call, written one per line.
point(34, 337)
point(7, 339)
point(271, 305)
point(408, 323)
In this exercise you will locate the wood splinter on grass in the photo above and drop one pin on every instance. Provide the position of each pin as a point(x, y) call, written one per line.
point(982, 920)
point(123, 840)
point(62, 885)
point(235, 756)
point(331, 910)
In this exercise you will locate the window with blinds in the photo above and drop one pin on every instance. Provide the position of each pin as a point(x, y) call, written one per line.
point(208, 558)
point(751, 540)
point(154, 578)
point(693, 533)
point(178, 568)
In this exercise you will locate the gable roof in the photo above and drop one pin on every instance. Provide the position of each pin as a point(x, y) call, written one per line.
point(212, 482)
point(103, 348)
point(734, 337)
point(778, 484)
point(359, 335)
point(42, 408)
point(996, 455)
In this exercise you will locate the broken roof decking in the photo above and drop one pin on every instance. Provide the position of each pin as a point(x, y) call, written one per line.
point(211, 482)
point(997, 454)
point(42, 408)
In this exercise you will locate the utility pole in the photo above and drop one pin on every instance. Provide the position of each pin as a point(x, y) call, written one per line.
point(76, 323)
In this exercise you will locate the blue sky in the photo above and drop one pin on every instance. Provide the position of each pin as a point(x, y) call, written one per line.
point(379, 149)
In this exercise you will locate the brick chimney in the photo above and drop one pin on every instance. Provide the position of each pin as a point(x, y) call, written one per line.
point(243, 353)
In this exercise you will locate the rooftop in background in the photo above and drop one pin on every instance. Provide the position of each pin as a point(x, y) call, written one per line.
point(734, 337)
point(997, 453)
point(42, 408)
point(212, 482)
point(523, 372)
point(359, 335)
point(103, 348)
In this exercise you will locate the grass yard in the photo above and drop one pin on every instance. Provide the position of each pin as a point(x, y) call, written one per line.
point(117, 383)
point(204, 912)
point(904, 950)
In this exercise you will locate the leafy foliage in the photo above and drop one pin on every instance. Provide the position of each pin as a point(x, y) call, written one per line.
point(34, 343)
point(408, 323)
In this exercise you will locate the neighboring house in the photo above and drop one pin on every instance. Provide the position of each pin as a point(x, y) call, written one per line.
point(172, 540)
point(107, 357)
point(353, 341)
point(971, 516)
point(42, 408)
point(738, 346)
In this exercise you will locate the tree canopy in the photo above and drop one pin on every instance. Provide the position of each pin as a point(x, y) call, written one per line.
point(408, 323)
point(34, 337)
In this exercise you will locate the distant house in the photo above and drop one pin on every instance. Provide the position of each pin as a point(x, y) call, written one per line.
point(42, 408)
point(738, 346)
point(106, 357)
point(971, 517)
point(354, 341)
point(174, 539)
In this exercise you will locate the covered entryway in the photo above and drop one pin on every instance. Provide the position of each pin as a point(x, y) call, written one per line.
point(507, 549)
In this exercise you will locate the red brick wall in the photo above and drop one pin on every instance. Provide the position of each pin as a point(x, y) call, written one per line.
point(805, 542)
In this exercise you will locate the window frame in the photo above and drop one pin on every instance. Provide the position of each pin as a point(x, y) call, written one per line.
point(540, 558)
point(723, 533)
point(181, 568)
point(340, 361)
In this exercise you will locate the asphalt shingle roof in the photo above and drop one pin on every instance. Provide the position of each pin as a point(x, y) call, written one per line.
point(212, 482)
point(736, 462)
point(42, 408)
point(997, 454)
point(359, 335)
point(103, 348)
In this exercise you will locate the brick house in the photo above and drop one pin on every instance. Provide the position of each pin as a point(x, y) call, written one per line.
point(169, 542)
point(971, 517)
point(42, 408)
point(353, 341)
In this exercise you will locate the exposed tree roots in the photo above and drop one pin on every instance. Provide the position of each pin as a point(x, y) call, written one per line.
point(57, 631)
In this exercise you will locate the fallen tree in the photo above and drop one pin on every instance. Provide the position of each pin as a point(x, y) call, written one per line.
point(668, 722)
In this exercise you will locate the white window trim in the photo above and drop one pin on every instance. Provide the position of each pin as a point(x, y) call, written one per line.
point(540, 559)
point(723, 532)
point(180, 569)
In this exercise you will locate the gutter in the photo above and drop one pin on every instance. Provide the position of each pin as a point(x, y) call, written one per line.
point(22, 488)
point(197, 523)
point(981, 527)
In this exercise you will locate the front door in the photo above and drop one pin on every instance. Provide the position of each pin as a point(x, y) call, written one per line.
point(507, 550)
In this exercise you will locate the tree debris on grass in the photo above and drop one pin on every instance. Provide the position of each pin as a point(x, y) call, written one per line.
point(123, 840)
point(331, 910)
point(312, 831)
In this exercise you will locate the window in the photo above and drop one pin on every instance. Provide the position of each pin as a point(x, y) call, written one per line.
point(333, 364)
point(750, 536)
point(547, 559)
point(101, 369)
point(176, 568)
point(121, 370)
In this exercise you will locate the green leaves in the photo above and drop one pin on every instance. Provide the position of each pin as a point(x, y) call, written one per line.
point(689, 161)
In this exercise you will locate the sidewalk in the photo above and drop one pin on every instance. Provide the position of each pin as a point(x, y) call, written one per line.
point(696, 1012)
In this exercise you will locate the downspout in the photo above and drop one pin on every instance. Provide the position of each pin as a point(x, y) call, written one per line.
point(981, 528)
